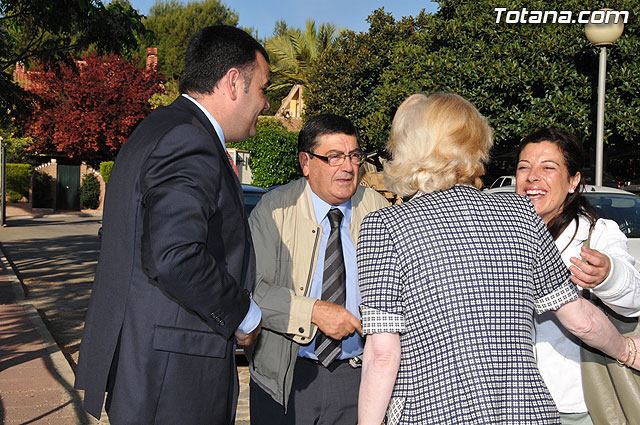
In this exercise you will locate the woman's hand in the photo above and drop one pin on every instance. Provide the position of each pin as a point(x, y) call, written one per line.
point(591, 270)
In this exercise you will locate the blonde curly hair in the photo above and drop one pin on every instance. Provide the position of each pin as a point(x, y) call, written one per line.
point(436, 141)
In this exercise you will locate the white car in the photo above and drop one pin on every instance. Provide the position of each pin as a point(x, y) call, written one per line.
point(503, 181)
point(618, 205)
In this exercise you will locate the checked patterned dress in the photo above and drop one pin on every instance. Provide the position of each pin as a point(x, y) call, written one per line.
point(458, 274)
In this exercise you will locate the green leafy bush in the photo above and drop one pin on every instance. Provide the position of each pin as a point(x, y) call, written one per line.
point(105, 170)
point(18, 181)
point(270, 122)
point(13, 196)
point(90, 192)
point(274, 156)
point(42, 193)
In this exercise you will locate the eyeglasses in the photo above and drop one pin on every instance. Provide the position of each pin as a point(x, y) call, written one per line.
point(336, 160)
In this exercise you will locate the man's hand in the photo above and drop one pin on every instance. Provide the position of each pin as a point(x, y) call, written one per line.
point(248, 339)
point(334, 320)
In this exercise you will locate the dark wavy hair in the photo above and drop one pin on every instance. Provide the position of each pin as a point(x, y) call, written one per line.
point(575, 205)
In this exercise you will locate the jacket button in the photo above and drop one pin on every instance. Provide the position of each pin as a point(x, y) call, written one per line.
point(302, 288)
point(302, 339)
point(313, 231)
point(301, 330)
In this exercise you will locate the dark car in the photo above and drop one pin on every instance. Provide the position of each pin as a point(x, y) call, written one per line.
point(252, 195)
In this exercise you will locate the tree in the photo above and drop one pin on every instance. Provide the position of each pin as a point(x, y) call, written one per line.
point(343, 79)
point(521, 76)
point(90, 113)
point(172, 24)
point(51, 30)
point(293, 51)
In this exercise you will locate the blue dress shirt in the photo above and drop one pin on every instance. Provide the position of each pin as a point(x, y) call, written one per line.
point(352, 345)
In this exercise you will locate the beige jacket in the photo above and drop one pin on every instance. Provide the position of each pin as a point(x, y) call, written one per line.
point(286, 238)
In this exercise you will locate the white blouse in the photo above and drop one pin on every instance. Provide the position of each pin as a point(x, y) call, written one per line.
point(557, 351)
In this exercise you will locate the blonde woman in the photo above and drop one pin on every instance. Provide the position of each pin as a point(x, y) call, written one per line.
point(450, 281)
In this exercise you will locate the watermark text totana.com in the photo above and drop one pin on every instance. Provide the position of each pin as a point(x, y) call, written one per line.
point(524, 16)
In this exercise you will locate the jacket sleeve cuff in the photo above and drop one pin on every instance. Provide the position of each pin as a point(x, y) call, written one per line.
point(300, 319)
point(612, 287)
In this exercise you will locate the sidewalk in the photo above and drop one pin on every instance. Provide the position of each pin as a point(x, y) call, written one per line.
point(36, 381)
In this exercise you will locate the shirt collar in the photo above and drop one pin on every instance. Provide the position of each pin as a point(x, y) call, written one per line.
point(214, 123)
point(321, 208)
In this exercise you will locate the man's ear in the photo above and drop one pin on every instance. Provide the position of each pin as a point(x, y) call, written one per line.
point(232, 81)
point(303, 159)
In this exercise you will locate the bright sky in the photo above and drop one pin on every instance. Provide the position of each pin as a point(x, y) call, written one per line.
point(351, 14)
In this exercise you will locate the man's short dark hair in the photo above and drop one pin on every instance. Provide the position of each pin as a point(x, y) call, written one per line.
point(322, 124)
point(214, 50)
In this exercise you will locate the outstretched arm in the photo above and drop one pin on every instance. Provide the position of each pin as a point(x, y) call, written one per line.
point(588, 323)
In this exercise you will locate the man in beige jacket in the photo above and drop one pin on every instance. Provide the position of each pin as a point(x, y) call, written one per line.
point(305, 365)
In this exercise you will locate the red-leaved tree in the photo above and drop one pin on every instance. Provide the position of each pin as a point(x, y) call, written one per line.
point(90, 113)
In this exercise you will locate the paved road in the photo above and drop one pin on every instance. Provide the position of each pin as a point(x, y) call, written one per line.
point(56, 257)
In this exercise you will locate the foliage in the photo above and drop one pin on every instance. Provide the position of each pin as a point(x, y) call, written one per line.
point(90, 192)
point(165, 98)
point(292, 52)
point(90, 114)
point(172, 24)
point(274, 156)
point(17, 148)
point(345, 77)
point(19, 180)
point(51, 30)
point(42, 193)
point(519, 76)
point(269, 122)
point(105, 170)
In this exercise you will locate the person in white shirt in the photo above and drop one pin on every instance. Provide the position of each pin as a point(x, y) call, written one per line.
point(548, 172)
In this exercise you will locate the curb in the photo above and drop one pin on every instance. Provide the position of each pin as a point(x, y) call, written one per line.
point(16, 285)
point(60, 363)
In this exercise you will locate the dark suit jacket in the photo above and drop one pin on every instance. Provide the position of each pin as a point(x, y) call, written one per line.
point(172, 281)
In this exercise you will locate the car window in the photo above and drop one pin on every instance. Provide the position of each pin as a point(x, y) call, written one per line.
point(497, 183)
point(623, 209)
point(251, 200)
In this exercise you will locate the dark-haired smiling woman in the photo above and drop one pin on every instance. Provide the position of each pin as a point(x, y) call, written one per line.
point(548, 172)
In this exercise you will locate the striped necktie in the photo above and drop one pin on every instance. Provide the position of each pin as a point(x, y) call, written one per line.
point(333, 286)
point(233, 164)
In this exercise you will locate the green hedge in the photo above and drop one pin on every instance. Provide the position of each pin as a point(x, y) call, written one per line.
point(90, 192)
point(274, 156)
point(18, 181)
point(105, 170)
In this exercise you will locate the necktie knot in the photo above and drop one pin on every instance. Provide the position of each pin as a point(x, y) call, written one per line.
point(335, 218)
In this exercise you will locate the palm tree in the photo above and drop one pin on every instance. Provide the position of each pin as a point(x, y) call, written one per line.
point(292, 52)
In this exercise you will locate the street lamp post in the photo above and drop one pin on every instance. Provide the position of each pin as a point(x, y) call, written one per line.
point(602, 35)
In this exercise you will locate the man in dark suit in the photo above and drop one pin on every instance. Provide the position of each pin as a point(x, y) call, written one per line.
point(172, 285)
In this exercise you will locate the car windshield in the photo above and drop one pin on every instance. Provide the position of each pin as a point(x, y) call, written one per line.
point(623, 209)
